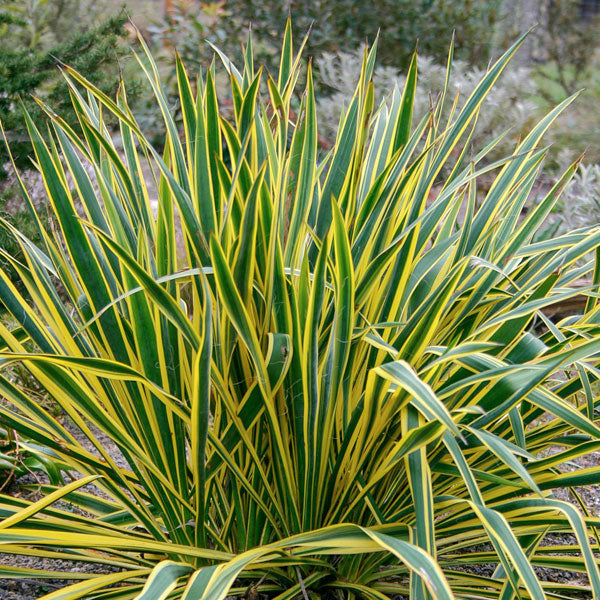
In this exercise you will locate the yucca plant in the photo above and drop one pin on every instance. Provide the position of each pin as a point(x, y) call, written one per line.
point(298, 374)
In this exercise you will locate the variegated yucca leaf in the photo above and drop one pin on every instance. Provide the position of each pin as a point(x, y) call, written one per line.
point(282, 370)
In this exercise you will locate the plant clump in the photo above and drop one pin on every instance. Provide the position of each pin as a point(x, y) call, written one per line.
point(344, 383)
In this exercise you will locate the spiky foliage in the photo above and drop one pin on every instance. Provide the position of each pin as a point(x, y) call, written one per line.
point(511, 102)
point(331, 383)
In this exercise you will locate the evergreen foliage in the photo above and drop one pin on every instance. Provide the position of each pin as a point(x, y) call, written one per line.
point(29, 71)
point(399, 23)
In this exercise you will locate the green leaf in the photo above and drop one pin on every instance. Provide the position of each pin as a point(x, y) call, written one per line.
point(163, 580)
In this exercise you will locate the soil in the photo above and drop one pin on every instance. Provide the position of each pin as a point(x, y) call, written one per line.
point(26, 487)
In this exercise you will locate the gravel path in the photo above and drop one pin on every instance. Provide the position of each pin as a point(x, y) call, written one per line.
point(31, 589)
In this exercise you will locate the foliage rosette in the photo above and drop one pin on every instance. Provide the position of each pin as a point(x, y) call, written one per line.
point(283, 372)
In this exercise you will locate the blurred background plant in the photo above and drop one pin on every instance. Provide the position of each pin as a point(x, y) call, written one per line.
point(565, 44)
point(187, 27)
point(580, 204)
point(565, 59)
point(37, 35)
point(559, 58)
point(340, 25)
point(511, 105)
point(46, 22)
point(19, 216)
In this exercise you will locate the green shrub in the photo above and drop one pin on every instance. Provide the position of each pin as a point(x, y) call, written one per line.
point(33, 45)
point(302, 374)
point(399, 23)
point(17, 459)
point(567, 41)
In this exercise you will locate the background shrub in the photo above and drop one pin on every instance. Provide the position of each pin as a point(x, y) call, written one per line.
point(36, 38)
point(512, 102)
point(340, 25)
